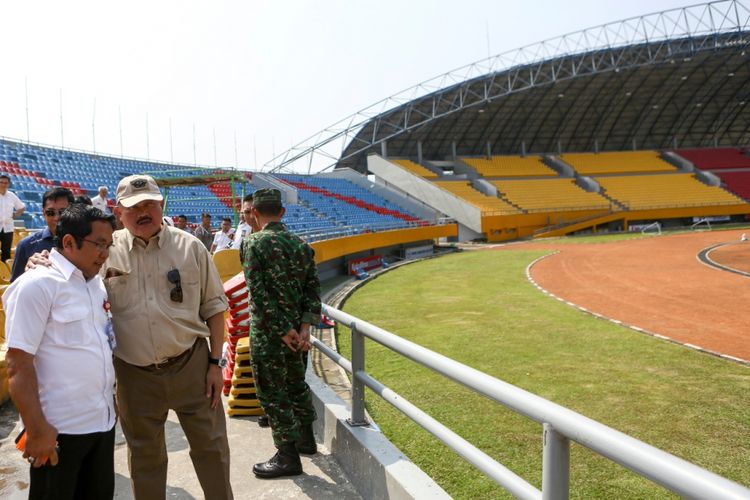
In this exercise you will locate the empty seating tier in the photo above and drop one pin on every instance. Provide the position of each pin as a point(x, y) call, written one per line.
point(416, 169)
point(550, 195)
point(510, 166)
point(486, 204)
point(664, 190)
point(737, 182)
point(716, 158)
point(617, 162)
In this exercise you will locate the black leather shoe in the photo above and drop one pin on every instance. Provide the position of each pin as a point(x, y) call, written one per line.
point(263, 421)
point(286, 462)
point(306, 442)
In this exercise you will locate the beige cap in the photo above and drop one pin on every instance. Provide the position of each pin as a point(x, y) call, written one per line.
point(134, 189)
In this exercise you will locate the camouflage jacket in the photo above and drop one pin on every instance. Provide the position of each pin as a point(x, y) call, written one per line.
point(282, 280)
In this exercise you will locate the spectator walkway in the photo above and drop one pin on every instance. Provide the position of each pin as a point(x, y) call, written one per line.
point(249, 444)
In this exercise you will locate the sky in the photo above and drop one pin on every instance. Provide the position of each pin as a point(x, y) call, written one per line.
point(235, 83)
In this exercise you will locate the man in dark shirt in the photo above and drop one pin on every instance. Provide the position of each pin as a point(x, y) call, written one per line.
point(54, 201)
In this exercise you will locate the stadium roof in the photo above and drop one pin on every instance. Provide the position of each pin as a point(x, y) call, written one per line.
point(673, 78)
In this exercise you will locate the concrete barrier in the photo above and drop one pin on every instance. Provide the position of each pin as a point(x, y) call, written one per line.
point(374, 466)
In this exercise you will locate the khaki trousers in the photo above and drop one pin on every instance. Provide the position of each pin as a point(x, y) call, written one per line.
point(144, 396)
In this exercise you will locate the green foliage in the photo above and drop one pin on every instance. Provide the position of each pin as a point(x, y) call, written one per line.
point(478, 308)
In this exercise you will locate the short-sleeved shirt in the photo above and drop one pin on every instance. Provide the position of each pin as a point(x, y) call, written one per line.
point(100, 203)
point(243, 229)
point(282, 281)
point(205, 236)
point(34, 243)
point(60, 318)
point(222, 240)
point(149, 325)
point(8, 203)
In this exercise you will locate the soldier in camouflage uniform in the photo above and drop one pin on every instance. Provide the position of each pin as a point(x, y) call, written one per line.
point(284, 290)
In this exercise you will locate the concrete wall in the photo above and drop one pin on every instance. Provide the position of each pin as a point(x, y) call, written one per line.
point(376, 468)
point(422, 189)
point(268, 181)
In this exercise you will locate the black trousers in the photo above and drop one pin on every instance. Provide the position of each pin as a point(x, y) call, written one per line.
point(85, 470)
point(6, 242)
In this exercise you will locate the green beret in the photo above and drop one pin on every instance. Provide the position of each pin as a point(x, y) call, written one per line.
point(267, 197)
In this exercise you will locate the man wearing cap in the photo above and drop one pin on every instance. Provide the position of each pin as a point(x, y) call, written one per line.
point(167, 299)
point(284, 291)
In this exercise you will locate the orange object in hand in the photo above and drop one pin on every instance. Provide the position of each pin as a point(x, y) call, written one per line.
point(21, 445)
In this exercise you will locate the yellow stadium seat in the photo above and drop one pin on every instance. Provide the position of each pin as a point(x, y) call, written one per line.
point(416, 168)
point(4, 272)
point(618, 162)
point(227, 263)
point(510, 166)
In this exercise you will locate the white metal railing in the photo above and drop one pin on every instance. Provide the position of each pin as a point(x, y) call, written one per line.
point(560, 425)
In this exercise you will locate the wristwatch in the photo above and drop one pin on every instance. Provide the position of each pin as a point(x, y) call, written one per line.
point(221, 362)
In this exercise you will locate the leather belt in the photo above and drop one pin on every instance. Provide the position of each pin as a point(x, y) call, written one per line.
point(169, 361)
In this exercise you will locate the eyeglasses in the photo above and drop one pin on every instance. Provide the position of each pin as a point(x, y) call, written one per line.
point(173, 277)
point(51, 212)
point(102, 247)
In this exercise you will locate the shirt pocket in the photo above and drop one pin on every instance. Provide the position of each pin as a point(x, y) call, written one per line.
point(69, 324)
point(122, 292)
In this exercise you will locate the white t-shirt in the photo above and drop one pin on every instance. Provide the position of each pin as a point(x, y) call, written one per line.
point(100, 203)
point(243, 229)
point(8, 202)
point(57, 316)
point(222, 240)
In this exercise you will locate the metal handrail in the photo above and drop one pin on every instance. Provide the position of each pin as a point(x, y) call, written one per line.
point(560, 425)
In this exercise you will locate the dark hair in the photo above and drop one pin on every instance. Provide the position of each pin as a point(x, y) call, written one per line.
point(226, 219)
point(56, 193)
point(182, 216)
point(5, 176)
point(82, 198)
point(206, 214)
point(248, 197)
point(76, 221)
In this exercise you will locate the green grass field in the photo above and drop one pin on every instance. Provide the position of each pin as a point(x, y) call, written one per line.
point(478, 308)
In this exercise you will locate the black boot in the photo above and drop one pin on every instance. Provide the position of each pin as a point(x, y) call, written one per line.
point(286, 462)
point(263, 421)
point(306, 442)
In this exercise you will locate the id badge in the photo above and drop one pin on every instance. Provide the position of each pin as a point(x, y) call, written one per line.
point(110, 333)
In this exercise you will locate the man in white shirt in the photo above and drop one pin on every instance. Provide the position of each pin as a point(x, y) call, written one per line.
point(9, 203)
point(60, 372)
point(101, 201)
point(223, 237)
point(243, 228)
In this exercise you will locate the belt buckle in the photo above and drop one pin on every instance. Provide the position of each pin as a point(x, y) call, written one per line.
point(161, 365)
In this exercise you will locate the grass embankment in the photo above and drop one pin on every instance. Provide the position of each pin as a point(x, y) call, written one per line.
point(478, 308)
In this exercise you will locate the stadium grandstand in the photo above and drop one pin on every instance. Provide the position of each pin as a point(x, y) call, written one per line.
point(608, 129)
point(659, 94)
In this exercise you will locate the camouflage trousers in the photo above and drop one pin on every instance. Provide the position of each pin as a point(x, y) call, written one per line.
point(281, 388)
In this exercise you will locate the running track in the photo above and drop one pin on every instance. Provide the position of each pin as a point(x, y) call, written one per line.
point(659, 285)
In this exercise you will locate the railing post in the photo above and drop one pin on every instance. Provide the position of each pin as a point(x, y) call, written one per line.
point(555, 465)
point(358, 388)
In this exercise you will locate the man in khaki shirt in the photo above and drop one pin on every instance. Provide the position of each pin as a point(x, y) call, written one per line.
point(167, 299)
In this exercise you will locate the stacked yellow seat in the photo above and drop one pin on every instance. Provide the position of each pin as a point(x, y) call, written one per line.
point(510, 166)
point(416, 169)
point(664, 190)
point(549, 194)
point(243, 400)
point(463, 190)
point(619, 162)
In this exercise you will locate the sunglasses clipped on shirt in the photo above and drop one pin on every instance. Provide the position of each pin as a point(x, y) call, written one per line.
point(175, 293)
